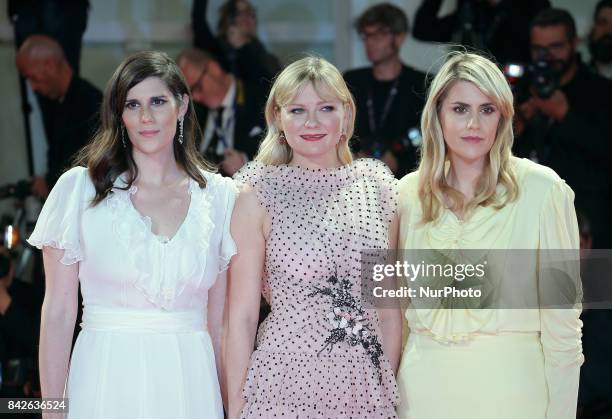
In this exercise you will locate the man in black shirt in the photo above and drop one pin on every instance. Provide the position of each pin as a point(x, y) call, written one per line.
point(389, 95)
point(569, 129)
point(72, 115)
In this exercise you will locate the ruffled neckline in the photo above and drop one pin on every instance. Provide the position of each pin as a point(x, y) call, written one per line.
point(148, 222)
point(134, 234)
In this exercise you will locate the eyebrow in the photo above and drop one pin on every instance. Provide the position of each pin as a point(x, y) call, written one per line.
point(467, 104)
point(152, 97)
point(318, 103)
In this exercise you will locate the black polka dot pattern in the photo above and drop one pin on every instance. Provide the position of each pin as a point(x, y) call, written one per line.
point(321, 220)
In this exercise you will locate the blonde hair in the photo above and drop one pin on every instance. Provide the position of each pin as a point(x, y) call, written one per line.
point(434, 190)
point(327, 81)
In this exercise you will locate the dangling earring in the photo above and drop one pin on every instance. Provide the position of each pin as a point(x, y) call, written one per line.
point(281, 138)
point(180, 138)
point(123, 137)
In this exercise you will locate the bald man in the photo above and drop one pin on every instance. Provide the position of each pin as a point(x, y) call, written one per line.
point(70, 115)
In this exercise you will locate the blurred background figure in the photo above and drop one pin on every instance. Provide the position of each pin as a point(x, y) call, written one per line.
point(389, 95)
point(229, 110)
point(63, 20)
point(600, 39)
point(71, 114)
point(499, 27)
point(236, 46)
point(563, 118)
point(20, 304)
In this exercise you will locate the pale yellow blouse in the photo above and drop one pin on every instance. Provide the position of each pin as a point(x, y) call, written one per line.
point(543, 217)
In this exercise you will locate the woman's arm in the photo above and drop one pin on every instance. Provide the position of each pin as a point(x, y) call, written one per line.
point(217, 327)
point(59, 312)
point(244, 290)
point(560, 293)
point(390, 315)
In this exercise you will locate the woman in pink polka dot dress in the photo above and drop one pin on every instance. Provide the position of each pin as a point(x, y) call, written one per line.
point(305, 213)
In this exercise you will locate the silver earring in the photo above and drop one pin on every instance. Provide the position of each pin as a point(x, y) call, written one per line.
point(180, 138)
point(123, 137)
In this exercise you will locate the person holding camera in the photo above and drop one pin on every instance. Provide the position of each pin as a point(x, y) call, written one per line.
point(499, 27)
point(564, 120)
point(389, 94)
point(236, 45)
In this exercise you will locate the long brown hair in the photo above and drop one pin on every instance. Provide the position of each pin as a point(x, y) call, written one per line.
point(106, 156)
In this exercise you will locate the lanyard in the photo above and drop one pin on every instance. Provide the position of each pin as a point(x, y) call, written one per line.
point(388, 102)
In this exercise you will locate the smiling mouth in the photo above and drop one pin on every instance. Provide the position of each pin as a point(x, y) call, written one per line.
point(473, 139)
point(313, 137)
point(149, 133)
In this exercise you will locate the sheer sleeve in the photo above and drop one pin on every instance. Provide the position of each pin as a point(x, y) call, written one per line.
point(560, 315)
point(59, 223)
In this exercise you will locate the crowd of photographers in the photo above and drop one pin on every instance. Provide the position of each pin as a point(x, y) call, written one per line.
point(562, 103)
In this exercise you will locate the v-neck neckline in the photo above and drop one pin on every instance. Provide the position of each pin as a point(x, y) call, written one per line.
point(162, 239)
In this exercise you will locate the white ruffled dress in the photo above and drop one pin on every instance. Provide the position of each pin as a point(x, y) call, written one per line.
point(144, 350)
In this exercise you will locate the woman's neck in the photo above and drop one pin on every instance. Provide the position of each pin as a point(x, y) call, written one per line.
point(324, 162)
point(464, 175)
point(158, 169)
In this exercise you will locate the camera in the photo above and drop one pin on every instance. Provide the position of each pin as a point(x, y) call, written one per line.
point(19, 190)
point(540, 76)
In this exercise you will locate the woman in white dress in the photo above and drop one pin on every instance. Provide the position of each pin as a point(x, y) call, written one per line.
point(144, 227)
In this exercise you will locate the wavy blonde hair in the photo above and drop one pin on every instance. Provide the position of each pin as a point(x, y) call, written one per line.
point(433, 188)
point(328, 83)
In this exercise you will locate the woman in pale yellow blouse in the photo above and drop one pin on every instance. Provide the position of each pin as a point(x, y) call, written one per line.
point(516, 361)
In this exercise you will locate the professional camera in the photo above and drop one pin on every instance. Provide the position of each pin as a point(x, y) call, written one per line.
point(19, 190)
point(541, 77)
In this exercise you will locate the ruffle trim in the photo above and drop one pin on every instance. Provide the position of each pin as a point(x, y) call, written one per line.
point(72, 251)
point(142, 246)
point(307, 382)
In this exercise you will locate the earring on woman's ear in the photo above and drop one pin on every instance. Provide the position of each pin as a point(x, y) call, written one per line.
point(123, 137)
point(342, 138)
point(281, 138)
point(180, 138)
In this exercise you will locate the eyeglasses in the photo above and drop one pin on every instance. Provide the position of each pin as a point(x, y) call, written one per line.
point(553, 48)
point(375, 35)
point(196, 87)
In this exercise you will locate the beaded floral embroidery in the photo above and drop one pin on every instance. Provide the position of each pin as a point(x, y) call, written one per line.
point(347, 318)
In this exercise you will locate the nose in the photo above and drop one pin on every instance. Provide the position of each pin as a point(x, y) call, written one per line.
point(145, 114)
point(474, 121)
point(312, 121)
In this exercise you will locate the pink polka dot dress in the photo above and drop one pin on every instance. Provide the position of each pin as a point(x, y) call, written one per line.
point(319, 352)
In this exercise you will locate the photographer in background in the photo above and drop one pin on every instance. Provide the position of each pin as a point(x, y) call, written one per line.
point(236, 45)
point(564, 118)
point(499, 27)
point(600, 39)
point(73, 117)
